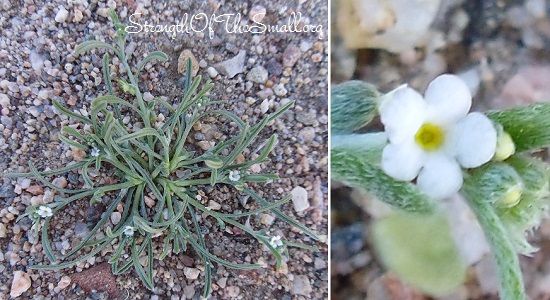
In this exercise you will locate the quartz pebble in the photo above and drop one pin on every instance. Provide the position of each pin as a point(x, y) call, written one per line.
point(61, 15)
point(115, 217)
point(299, 199)
point(20, 284)
point(291, 55)
point(233, 66)
point(191, 273)
point(185, 55)
point(301, 286)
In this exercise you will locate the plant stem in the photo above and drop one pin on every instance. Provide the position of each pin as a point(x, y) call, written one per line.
point(506, 259)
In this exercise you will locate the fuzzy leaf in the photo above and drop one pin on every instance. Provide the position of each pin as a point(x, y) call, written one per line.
point(421, 250)
point(353, 105)
point(351, 169)
point(528, 126)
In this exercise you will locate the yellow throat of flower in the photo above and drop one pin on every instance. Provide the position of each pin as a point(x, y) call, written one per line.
point(430, 137)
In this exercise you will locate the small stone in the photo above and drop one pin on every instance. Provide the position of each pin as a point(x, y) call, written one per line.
point(35, 190)
point(307, 134)
point(64, 282)
point(60, 182)
point(214, 205)
point(150, 202)
point(61, 15)
point(3, 230)
point(265, 93)
point(299, 199)
point(37, 61)
point(291, 55)
point(257, 13)
point(115, 217)
point(264, 106)
point(267, 219)
point(205, 145)
point(78, 15)
point(301, 286)
point(257, 75)
point(4, 100)
point(274, 67)
point(25, 183)
point(279, 90)
point(191, 273)
point(212, 72)
point(79, 154)
point(81, 229)
point(20, 284)
point(319, 264)
point(148, 97)
point(233, 66)
point(182, 62)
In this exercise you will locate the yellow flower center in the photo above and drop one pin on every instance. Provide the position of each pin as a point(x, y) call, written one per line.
point(430, 137)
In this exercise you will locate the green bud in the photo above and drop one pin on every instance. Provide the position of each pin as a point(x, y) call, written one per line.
point(214, 162)
point(505, 144)
point(496, 182)
point(353, 105)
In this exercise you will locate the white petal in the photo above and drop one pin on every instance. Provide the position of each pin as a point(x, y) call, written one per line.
point(403, 161)
point(448, 98)
point(474, 140)
point(441, 176)
point(402, 114)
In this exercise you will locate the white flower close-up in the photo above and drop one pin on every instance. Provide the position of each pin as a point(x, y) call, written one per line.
point(95, 152)
point(234, 175)
point(275, 242)
point(129, 230)
point(433, 138)
point(44, 211)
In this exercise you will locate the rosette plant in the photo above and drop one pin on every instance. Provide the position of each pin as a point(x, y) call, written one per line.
point(431, 147)
point(156, 159)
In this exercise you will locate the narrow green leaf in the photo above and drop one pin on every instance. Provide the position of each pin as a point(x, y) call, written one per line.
point(528, 125)
point(158, 55)
point(89, 45)
point(353, 105)
point(357, 172)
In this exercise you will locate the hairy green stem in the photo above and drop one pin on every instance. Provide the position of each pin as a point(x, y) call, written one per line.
point(506, 258)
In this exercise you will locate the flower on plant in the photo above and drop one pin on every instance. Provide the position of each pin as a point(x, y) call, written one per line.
point(129, 230)
point(44, 211)
point(95, 152)
point(433, 138)
point(234, 175)
point(276, 242)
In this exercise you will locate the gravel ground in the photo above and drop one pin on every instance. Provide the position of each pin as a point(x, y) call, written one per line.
point(254, 73)
point(502, 50)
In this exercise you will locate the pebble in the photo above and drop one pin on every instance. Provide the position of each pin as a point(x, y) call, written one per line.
point(257, 13)
point(115, 217)
point(265, 93)
point(233, 66)
point(266, 219)
point(61, 15)
point(35, 190)
point(280, 90)
point(301, 286)
point(274, 67)
point(212, 72)
point(291, 55)
point(148, 97)
point(37, 61)
point(4, 100)
point(81, 229)
point(191, 273)
point(182, 62)
point(20, 284)
point(60, 182)
point(307, 134)
point(214, 205)
point(3, 230)
point(64, 282)
point(150, 202)
point(78, 15)
point(299, 199)
point(264, 106)
point(79, 154)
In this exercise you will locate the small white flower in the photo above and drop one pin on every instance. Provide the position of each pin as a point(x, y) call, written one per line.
point(198, 197)
point(95, 152)
point(433, 137)
point(129, 230)
point(44, 211)
point(234, 175)
point(276, 242)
